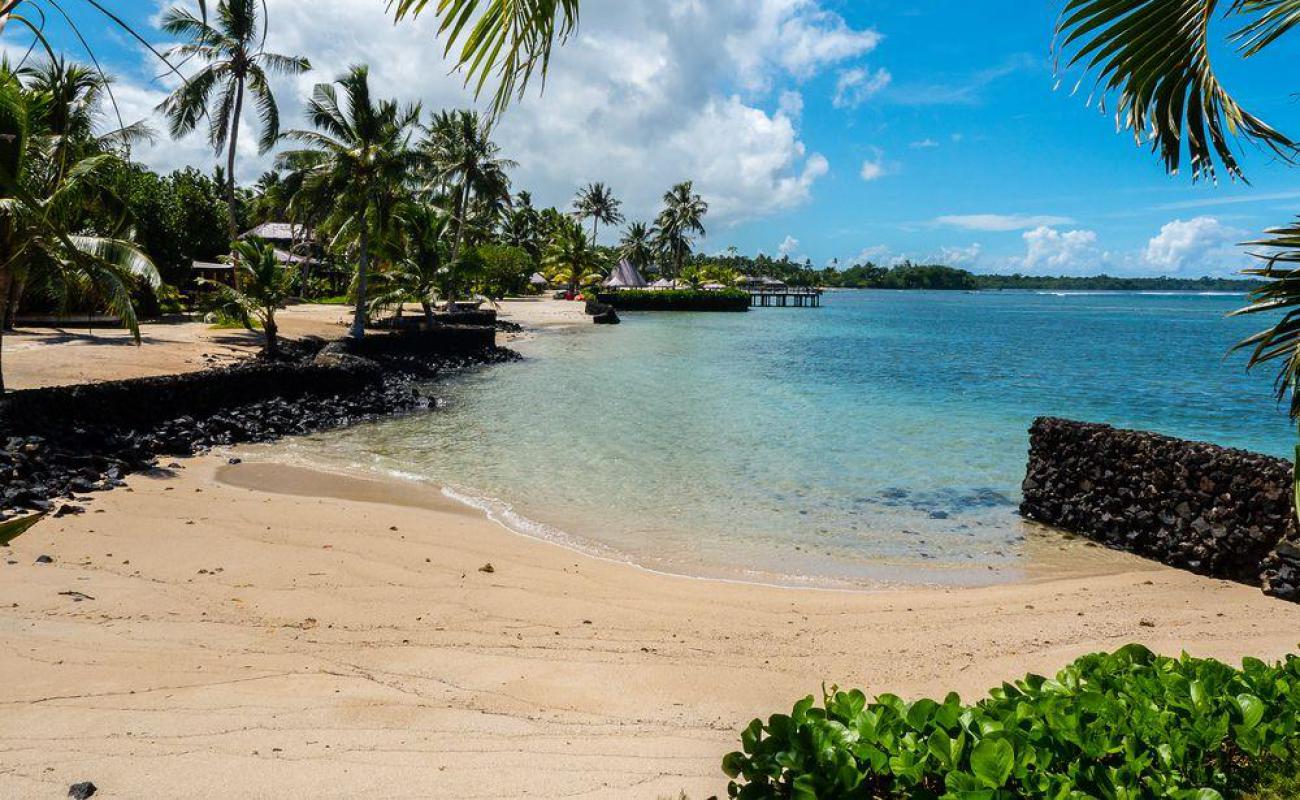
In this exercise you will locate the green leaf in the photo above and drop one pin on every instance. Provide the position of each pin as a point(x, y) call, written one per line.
point(804, 788)
point(992, 761)
point(12, 529)
point(946, 749)
point(1252, 710)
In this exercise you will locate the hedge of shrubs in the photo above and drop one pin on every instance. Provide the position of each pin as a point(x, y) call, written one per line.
point(677, 300)
point(1119, 726)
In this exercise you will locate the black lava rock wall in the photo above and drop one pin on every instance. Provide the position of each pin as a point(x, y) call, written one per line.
point(60, 443)
point(1209, 509)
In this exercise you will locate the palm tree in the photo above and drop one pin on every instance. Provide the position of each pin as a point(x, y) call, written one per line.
point(596, 202)
point(44, 210)
point(235, 62)
point(1153, 57)
point(570, 258)
point(357, 163)
point(523, 227)
point(267, 287)
point(638, 245)
point(507, 39)
point(465, 162)
point(420, 270)
point(681, 220)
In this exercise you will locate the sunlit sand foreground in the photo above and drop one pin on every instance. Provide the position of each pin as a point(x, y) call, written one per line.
point(265, 631)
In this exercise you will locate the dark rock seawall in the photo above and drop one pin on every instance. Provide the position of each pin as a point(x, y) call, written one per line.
point(62, 442)
point(1209, 509)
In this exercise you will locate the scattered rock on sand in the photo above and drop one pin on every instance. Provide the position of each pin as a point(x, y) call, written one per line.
point(44, 560)
point(487, 568)
point(83, 790)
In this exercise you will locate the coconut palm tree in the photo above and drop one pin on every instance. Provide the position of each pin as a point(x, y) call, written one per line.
point(523, 227)
point(267, 287)
point(681, 220)
point(596, 202)
point(235, 62)
point(570, 258)
point(357, 163)
point(507, 39)
point(44, 210)
point(467, 165)
point(419, 269)
point(638, 245)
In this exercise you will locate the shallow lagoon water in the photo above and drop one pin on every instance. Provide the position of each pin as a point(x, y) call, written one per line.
point(881, 438)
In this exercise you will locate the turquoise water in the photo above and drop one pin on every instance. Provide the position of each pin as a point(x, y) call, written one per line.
point(882, 434)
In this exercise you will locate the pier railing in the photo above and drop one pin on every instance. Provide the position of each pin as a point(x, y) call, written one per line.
point(796, 296)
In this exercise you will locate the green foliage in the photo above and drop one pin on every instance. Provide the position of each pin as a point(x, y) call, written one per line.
point(678, 300)
point(179, 218)
point(265, 286)
point(1119, 726)
point(506, 40)
point(504, 270)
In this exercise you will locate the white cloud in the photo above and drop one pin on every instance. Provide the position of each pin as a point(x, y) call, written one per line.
point(856, 86)
point(924, 144)
point(788, 246)
point(1061, 252)
point(874, 168)
point(639, 98)
point(960, 256)
point(1001, 222)
point(1202, 245)
point(791, 104)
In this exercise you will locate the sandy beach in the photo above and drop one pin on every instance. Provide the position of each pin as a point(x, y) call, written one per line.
point(264, 631)
point(35, 357)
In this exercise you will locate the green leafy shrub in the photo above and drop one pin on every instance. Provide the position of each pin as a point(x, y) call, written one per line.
point(1119, 726)
point(677, 300)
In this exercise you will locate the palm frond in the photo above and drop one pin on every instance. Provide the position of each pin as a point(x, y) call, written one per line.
point(1152, 58)
point(509, 39)
point(1276, 17)
point(1280, 292)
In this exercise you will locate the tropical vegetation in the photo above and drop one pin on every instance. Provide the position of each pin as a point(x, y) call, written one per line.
point(64, 231)
point(266, 287)
point(235, 62)
point(1119, 726)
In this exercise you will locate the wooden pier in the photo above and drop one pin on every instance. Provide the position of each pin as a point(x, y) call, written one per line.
point(784, 298)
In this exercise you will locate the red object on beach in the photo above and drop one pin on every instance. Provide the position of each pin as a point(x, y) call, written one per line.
point(578, 298)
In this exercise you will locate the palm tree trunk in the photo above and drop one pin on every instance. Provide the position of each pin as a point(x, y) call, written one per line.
point(272, 334)
point(232, 147)
point(428, 313)
point(11, 305)
point(462, 200)
point(358, 331)
point(6, 278)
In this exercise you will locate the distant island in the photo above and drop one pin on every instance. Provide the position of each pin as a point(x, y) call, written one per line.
point(940, 277)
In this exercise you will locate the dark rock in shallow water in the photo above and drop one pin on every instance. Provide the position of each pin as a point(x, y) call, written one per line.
point(609, 317)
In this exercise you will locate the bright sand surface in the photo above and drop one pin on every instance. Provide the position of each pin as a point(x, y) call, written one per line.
point(266, 631)
point(260, 630)
point(56, 356)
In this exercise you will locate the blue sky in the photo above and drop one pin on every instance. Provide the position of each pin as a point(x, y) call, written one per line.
point(824, 129)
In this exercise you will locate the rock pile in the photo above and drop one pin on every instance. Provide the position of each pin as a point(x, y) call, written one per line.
point(1209, 509)
point(62, 443)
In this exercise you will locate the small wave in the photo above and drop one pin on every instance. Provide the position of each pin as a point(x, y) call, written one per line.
point(502, 513)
